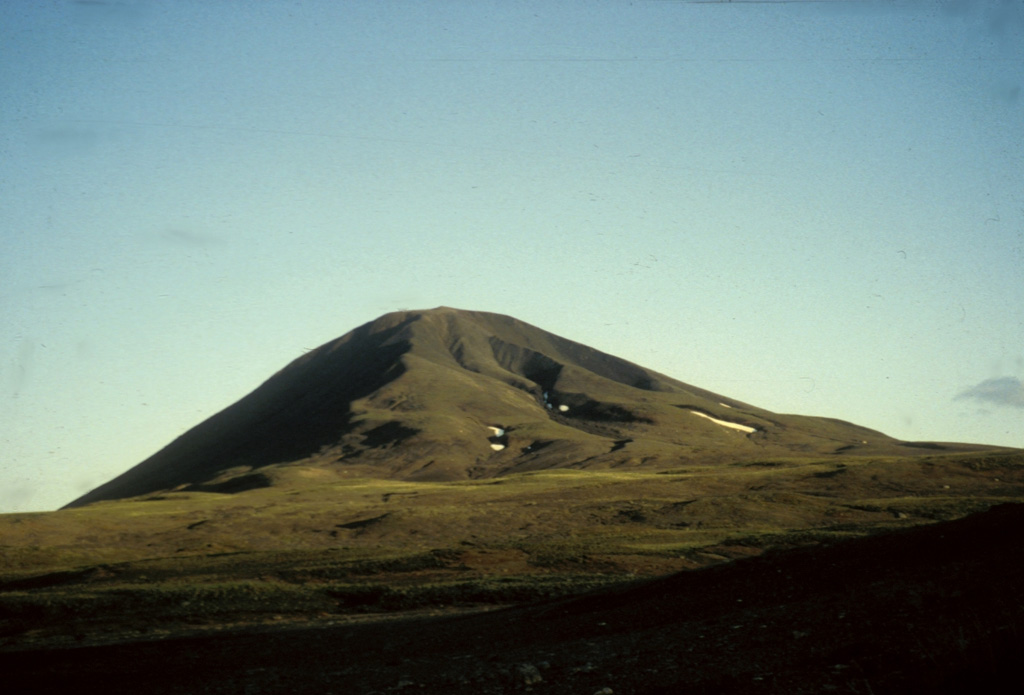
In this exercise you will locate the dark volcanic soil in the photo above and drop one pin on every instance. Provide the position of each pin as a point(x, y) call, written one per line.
point(937, 609)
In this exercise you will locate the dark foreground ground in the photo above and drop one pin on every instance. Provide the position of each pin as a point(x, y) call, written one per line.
point(936, 609)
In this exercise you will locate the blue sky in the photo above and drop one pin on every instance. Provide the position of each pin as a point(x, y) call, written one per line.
point(814, 207)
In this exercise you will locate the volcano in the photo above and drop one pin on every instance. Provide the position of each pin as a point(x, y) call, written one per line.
point(447, 394)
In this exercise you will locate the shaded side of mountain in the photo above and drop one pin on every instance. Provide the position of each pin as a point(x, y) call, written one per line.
point(301, 408)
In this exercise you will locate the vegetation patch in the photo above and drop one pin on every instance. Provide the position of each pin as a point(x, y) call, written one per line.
point(387, 435)
point(331, 546)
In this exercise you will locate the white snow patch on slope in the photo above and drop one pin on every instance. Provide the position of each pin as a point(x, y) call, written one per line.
point(498, 432)
point(724, 423)
point(497, 447)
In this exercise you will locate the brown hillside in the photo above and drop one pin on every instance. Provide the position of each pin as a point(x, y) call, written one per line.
point(447, 394)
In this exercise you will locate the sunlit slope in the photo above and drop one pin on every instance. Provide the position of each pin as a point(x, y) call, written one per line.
point(445, 395)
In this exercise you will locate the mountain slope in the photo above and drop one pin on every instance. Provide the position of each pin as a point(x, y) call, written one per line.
point(447, 394)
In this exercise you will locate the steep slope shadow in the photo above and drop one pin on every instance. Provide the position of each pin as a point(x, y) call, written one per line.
point(574, 409)
point(303, 407)
point(544, 369)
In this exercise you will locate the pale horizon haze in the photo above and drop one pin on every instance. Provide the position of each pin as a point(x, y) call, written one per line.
point(812, 207)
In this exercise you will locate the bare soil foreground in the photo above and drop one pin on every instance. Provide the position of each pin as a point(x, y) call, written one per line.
point(936, 609)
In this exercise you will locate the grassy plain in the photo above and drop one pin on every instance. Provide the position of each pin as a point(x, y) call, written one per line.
point(319, 546)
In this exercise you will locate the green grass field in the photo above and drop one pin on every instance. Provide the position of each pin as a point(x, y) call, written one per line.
point(322, 546)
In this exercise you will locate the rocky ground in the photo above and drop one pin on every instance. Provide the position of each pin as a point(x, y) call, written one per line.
point(935, 609)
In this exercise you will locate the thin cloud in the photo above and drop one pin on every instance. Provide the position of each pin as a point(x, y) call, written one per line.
point(1002, 391)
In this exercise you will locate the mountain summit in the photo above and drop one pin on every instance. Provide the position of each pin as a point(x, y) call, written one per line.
point(447, 394)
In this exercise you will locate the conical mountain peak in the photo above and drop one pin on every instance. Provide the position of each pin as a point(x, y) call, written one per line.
point(448, 394)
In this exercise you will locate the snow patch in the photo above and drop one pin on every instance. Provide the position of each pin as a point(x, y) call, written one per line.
point(725, 423)
point(725, 405)
point(497, 439)
point(550, 406)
